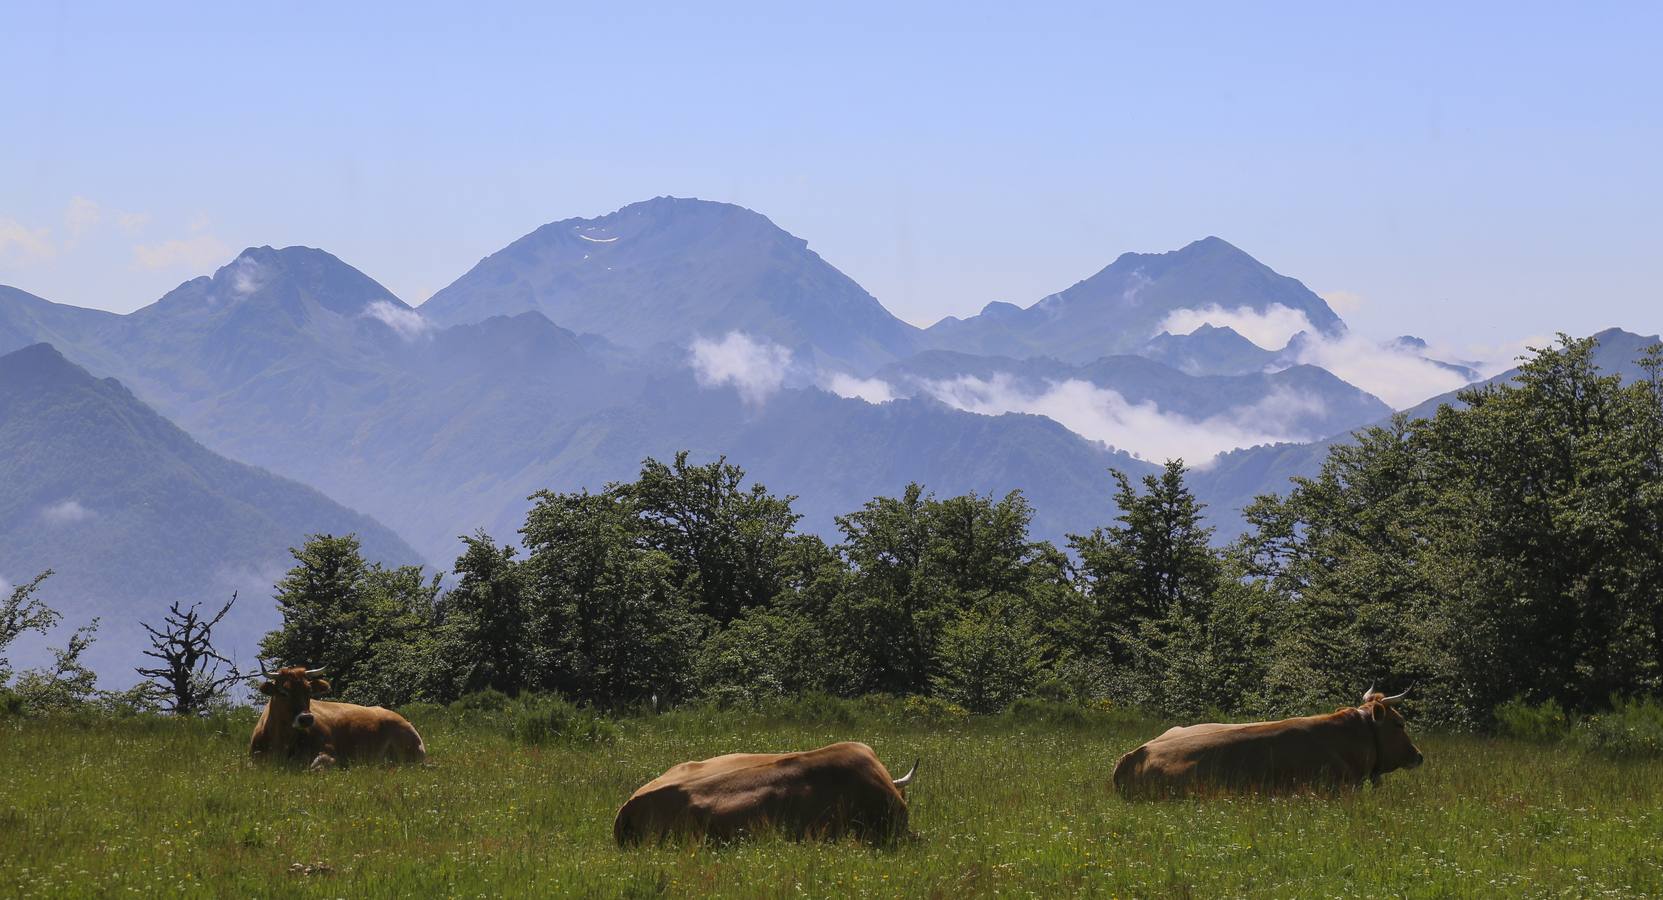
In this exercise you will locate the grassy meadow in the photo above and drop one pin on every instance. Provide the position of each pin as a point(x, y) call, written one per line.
point(1001, 806)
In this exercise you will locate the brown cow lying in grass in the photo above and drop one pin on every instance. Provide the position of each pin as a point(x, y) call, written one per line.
point(295, 728)
point(826, 793)
point(1339, 749)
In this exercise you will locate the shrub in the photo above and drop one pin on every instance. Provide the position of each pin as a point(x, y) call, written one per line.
point(1034, 711)
point(488, 700)
point(814, 708)
point(1539, 722)
point(548, 719)
point(1633, 728)
point(932, 710)
point(987, 657)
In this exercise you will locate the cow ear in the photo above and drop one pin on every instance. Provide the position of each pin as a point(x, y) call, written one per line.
point(268, 688)
point(318, 687)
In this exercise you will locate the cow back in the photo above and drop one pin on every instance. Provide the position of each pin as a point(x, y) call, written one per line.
point(842, 788)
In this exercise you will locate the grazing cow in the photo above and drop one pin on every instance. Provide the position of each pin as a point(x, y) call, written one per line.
point(825, 793)
point(1336, 750)
point(294, 728)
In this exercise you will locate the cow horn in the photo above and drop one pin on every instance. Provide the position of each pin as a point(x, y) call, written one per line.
point(1367, 693)
point(317, 671)
point(1389, 701)
point(906, 779)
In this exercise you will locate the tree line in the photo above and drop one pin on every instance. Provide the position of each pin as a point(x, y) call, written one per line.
point(1508, 547)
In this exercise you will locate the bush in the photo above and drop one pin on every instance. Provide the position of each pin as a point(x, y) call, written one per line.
point(932, 711)
point(1541, 722)
point(1632, 729)
point(547, 719)
point(988, 657)
point(1034, 711)
point(814, 708)
point(488, 700)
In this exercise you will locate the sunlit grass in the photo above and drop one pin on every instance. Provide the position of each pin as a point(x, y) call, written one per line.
point(167, 809)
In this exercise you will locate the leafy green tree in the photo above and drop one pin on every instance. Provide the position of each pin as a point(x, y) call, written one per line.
point(612, 622)
point(916, 563)
point(356, 620)
point(67, 684)
point(988, 656)
point(1506, 546)
point(762, 655)
point(1157, 561)
point(482, 636)
point(23, 611)
point(1356, 583)
point(723, 539)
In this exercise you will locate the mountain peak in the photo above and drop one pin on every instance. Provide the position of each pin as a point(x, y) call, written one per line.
point(38, 364)
point(289, 277)
point(671, 269)
point(1124, 304)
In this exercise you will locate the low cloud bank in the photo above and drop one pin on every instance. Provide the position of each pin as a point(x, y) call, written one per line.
point(872, 390)
point(408, 323)
point(1394, 374)
point(1401, 379)
point(756, 368)
point(1271, 329)
point(1142, 429)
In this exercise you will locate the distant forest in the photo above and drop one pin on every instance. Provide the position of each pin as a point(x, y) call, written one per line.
point(1509, 547)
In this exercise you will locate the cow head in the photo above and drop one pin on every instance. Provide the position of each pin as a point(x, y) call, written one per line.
point(291, 691)
point(1393, 748)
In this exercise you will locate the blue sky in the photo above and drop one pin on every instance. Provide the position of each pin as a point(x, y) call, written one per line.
point(1473, 175)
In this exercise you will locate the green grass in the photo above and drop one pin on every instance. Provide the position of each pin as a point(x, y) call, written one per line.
point(154, 808)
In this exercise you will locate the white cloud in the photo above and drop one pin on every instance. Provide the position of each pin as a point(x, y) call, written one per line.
point(245, 275)
point(67, 512)
point(5, 587)
point(755, 368)
point(20, 244)
point(197, 252)
point(1490, 359)
point(1270, 329)
point(1143, 429)
point(1399, 377)
point(408, 323)
point(872, 390)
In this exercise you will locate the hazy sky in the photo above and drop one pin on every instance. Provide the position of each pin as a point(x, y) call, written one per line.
point(1470, 174)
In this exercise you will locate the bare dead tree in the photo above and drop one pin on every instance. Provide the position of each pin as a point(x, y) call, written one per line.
point(190, 675)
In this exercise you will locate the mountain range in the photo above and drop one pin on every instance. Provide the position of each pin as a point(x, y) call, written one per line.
point(564, 359)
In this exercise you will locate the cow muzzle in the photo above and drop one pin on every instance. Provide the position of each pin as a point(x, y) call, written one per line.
point(303, 721)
